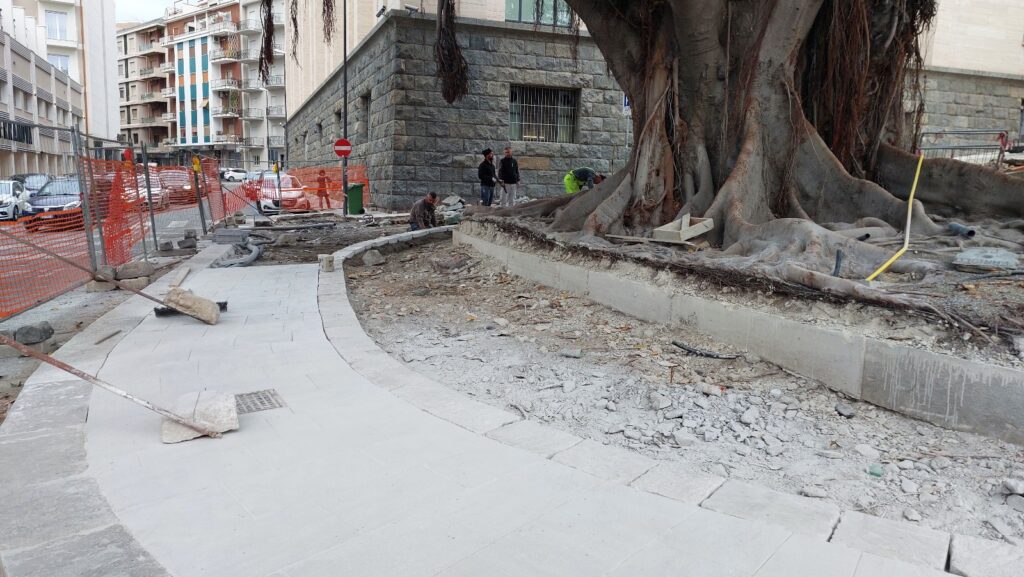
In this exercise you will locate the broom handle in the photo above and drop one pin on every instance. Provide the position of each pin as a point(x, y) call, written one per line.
point(197, 426)
point(70, 262)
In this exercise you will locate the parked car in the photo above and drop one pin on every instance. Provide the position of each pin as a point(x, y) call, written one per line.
point(232, 174)
point(13, 199)
point(57, 206)
point(160, 198)
point(254, 175)
point(33, 181)
point(177, 184)
point(291, 196)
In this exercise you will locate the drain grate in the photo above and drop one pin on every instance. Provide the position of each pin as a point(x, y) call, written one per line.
point(258, 401)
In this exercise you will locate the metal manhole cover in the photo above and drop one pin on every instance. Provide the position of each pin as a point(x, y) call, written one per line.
point(258, 401)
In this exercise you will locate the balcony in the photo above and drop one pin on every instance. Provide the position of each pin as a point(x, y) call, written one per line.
point(168, 93)
point(276, 141)
point(169, 117)
point(252, 114)
point(227, 139)
point(168, 142)
point(225, 112)
point(250, 26)
point(253, 142)
point(224, 28)
point(252, 85)
point(167, 41)
point(149, 48)
point(150, 96)
point(274, 82)
point(167, 67)
point(275, 111)
point(225, 55)
point(226, 85)
point(147, 72)
point(251, 54)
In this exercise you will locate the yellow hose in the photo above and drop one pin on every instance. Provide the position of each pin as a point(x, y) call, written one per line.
point(906, 232)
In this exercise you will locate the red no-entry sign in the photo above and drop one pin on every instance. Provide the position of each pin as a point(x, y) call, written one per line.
point(342, 147)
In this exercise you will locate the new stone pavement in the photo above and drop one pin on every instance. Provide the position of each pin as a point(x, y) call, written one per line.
point(369, 470)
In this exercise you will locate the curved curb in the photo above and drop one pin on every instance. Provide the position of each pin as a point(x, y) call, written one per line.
point(880, 540)
point(55, 520)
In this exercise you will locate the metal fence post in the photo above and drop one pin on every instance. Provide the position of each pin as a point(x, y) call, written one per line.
point(199, 194)
point(86, 217)
point(149, 198)
point(135, 183)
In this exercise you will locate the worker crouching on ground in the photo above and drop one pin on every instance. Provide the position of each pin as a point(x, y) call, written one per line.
point(422, 214)
point(580, 178)
point(488, 178)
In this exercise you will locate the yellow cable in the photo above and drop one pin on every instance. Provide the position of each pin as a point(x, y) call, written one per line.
point(906, 232)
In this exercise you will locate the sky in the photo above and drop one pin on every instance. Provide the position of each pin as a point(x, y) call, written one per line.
point(140, 10)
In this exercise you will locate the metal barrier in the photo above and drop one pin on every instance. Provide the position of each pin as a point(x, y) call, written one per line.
point(984, 147)
point(94, 205)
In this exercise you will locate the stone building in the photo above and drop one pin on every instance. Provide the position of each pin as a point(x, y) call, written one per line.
point(526, 91)
point(974, 67)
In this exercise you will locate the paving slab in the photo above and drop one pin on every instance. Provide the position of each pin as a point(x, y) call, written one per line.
point(802, 556)
point(534, 437)
point(803, 515)
point(875, 566)
point(41, 455)
point(108, 551)
point(680, 482)
point(974, 557)
point(893, 539)
point(40, 513)
point(605, 461)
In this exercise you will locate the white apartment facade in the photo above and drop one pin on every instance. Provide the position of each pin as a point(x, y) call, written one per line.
point(34, 96)
point(78, 39)
point(146, 109)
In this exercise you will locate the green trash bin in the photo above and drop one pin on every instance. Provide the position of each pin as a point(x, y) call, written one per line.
point(355, 198)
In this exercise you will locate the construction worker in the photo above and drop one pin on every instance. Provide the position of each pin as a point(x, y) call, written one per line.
point(579, 178)
point(322, 181)
point(422, 214)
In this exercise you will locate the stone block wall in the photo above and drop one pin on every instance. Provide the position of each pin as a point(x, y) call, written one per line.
point(413, 142)
point(963, 100)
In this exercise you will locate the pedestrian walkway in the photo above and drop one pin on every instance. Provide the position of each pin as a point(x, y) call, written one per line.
point(369, 470)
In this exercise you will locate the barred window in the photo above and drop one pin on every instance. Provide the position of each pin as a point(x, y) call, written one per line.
point(542, 114)
point(552, 12)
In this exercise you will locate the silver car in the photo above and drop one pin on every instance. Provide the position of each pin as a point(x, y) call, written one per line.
point(13, 199)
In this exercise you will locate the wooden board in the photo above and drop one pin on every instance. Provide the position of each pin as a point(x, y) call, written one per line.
point(647, 240)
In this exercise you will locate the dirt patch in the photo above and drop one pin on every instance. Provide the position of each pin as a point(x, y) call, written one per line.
point(303, 246)
point(565, 361)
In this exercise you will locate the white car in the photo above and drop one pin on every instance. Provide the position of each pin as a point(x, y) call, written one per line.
point(232, 174)
point(13, 199)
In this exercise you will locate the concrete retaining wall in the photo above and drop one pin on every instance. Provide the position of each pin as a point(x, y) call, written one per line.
point(940, 389)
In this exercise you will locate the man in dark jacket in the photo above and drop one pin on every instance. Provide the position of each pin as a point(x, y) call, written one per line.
point(508, 176)
point(488, 178)
point(422, 215)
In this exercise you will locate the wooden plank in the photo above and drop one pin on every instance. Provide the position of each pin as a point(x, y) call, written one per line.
point(647, 240)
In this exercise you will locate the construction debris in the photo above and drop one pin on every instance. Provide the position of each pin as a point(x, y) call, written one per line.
point(193, 305)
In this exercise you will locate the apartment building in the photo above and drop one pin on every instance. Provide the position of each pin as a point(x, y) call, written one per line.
point(189, 82)
point(78, 40)
point(974, 67)
point(34, 96)
point(528, 92)
point(146, 89)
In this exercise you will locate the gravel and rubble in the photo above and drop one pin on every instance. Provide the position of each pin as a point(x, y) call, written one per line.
point(563, 360)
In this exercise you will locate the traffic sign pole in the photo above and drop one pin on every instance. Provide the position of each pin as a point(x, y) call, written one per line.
point(343, 148)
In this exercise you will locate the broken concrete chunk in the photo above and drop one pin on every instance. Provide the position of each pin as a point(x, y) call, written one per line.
point(34, 333)
point(165, 245)
point(572, 353)
point(135, 269)
point(46, 347)
point(658, 402)
point(98, 286)
point(196, 306)
point(106, 272)
point(216, 411)
point(373, 257)
point(977, 557)
point(136, 283)
point(846, 410)
point(985, 259)
point(186, 243)
point(814, 491)
point(1010, 486)
point(286, 239)
point(326, 262)
point(868, 451)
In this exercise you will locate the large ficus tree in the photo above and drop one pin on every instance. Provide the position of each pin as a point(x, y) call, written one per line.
point(779, 119)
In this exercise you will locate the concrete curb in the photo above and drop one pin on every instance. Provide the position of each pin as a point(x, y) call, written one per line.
point(55, 517)
point(878, 539)
point(943, 390)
